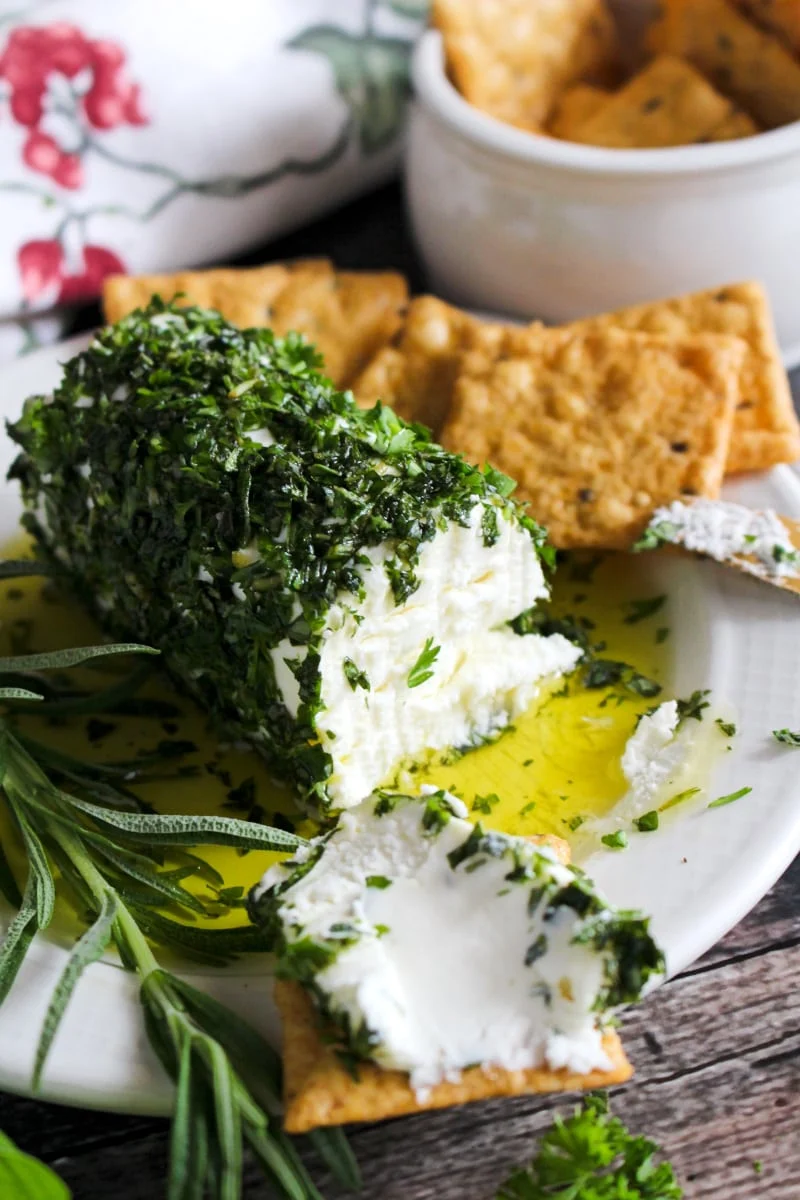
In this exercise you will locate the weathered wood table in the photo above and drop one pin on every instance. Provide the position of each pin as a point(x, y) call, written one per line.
point(717, 1050)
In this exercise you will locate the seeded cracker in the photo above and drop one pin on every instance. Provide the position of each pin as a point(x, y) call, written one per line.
point(511, 58)
point(669, 103)
point(781, 17)
point(348, 315)
point(320, 1090)
point(415, 375)
point(765, 428)
point(574, 107)
point(598, 428)
point(742, 61)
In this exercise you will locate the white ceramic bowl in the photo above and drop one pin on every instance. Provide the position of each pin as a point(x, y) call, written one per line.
point(519, 223)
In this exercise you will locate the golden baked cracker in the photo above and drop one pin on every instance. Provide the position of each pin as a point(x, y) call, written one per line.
point(573, 108)
point(668, 103)
point(737, 125)
point(319, 1090)
point(242, 296)
point(415, 375)
point(765, 428)
point(511, 58)
point(599, 427)
point(741, 60)
point(347, 314)
point(781, 17)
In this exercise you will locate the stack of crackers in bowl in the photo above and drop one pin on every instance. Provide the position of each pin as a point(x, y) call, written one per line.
point(600, 422)
point(703, 71)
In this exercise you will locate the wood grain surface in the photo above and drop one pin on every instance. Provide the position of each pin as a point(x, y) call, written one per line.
point(716, 1050)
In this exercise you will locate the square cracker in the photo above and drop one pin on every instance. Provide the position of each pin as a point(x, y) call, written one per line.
point(742, 61)
point(416, 373)
point(765, 428)
point(320, 1090)
point(668, 103)
point(511, 58)
point(574, 107)
point(781, 17)
point(348, 315)
point(598, 427)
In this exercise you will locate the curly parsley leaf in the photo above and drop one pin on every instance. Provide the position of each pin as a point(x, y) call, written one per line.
point(422, 669)
point(728, 729)
point(593, 1156)
point(786, 737)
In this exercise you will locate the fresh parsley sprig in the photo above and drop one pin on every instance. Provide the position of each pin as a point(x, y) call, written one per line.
point(422, 669)
point(592, 1156)
point(127, 871)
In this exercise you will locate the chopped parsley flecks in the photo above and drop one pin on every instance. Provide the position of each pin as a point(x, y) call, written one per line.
point(662, 634)
point(640, 610)
point(727, 728)
point(782, 555)
point(615, 841)
point(729, 799)
point(658, 533)
point(485, 804)
point(356, 678)
point(694, 707)
point(378, 881)
point(575, 822)
point(422, 669)
point(536, 950)
point(606, 672)
point(679, 798)
point(787, 737)
point(527, 808)
point(647, 822)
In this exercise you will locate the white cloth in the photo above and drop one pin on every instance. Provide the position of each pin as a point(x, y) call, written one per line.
point(149, 135)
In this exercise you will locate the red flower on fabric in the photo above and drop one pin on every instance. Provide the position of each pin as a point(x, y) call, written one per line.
point(43, 267)
point(56, 68)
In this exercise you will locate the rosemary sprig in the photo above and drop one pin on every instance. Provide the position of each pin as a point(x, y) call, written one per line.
point(127, 872)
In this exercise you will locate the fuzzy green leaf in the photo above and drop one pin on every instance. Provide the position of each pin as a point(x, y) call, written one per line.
point(61, 659)
point(89, 948)
point(178, 829)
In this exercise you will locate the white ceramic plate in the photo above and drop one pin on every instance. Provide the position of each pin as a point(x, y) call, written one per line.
point(697, 877)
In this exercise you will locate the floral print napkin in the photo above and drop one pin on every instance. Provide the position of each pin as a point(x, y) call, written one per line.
point(151, 135)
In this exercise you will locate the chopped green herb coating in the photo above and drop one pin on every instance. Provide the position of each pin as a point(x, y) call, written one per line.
point(207, 491)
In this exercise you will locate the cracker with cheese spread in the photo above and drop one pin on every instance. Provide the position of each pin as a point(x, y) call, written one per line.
point(765, 427)
point(319, 1089)
point(742, 61)
point(348, 315)
point(511, 58)
point(599, 427)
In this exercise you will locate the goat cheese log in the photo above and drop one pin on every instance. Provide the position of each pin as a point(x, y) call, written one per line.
point(328, 582)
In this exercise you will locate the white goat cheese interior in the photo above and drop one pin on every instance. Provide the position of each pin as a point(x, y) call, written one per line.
point(483, 675)
point(453, 964)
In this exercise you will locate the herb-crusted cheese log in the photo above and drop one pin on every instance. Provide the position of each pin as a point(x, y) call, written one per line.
point(331, 584)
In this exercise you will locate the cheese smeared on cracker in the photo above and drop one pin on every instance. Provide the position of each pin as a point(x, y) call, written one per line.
point(431, 945)
point(727, 532)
